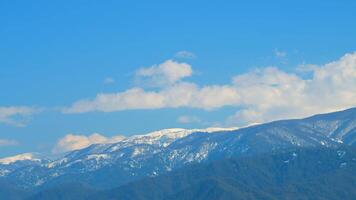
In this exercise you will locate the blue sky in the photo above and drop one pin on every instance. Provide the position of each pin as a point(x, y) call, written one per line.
point(56, 53)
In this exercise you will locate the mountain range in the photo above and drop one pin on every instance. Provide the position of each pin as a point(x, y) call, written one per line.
point(307, 155)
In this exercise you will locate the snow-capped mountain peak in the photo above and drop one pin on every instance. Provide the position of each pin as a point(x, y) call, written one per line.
point(169, 133)
point(20, 157)
point(166, 136)
point(165, 150)
point(175, 133)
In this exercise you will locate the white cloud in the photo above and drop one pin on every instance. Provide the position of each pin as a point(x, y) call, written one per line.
point(261, 95)
point(72, 142)
point(186, 119)
point(16, 115)
point(109, 80)
point(5, 142)
point(166, 73)
point(175, 96)
point(273, 95)
point(280, 54)
point(185, 54)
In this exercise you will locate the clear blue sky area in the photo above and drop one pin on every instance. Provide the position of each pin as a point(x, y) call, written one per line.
point(54, 53)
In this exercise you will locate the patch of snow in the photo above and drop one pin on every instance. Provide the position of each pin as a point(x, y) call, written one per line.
point(4, 172)
point(343, 164)
point(21, 157)
point(175, 133)
point(74, 162)
point(55, 174)
point(98, 157)
point(337, 140)
point(57, 162)
point(137, 152)
point(202, 153)
point(163, 137)
point(39, 182)
point(341, 153)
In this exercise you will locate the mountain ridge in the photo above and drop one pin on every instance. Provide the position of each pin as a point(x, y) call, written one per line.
point(167, 150)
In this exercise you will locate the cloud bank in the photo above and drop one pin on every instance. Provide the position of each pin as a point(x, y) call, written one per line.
point(260, 95)
point(16, 115)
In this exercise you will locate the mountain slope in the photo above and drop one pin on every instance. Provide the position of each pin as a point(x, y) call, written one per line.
point(301, 174)
point(320, 173)
point(136, 157)
point(74, 191)
point(10, 191)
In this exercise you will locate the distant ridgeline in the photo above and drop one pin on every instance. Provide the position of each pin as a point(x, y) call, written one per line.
point(311, 158)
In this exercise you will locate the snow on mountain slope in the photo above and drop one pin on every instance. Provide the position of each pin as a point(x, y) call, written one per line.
point(131, 153)
point(155, 153)
point(166, 136)
point(12, 164)
point(97, 155)
point(21, 157)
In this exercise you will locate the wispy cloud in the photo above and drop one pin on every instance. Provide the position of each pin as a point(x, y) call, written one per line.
point(185, 54)
point(186, 119)
point(17, 115)
point(306, 68)
point(280, 54)
point(261, 95)
point(6, 142)
point(109, 80)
